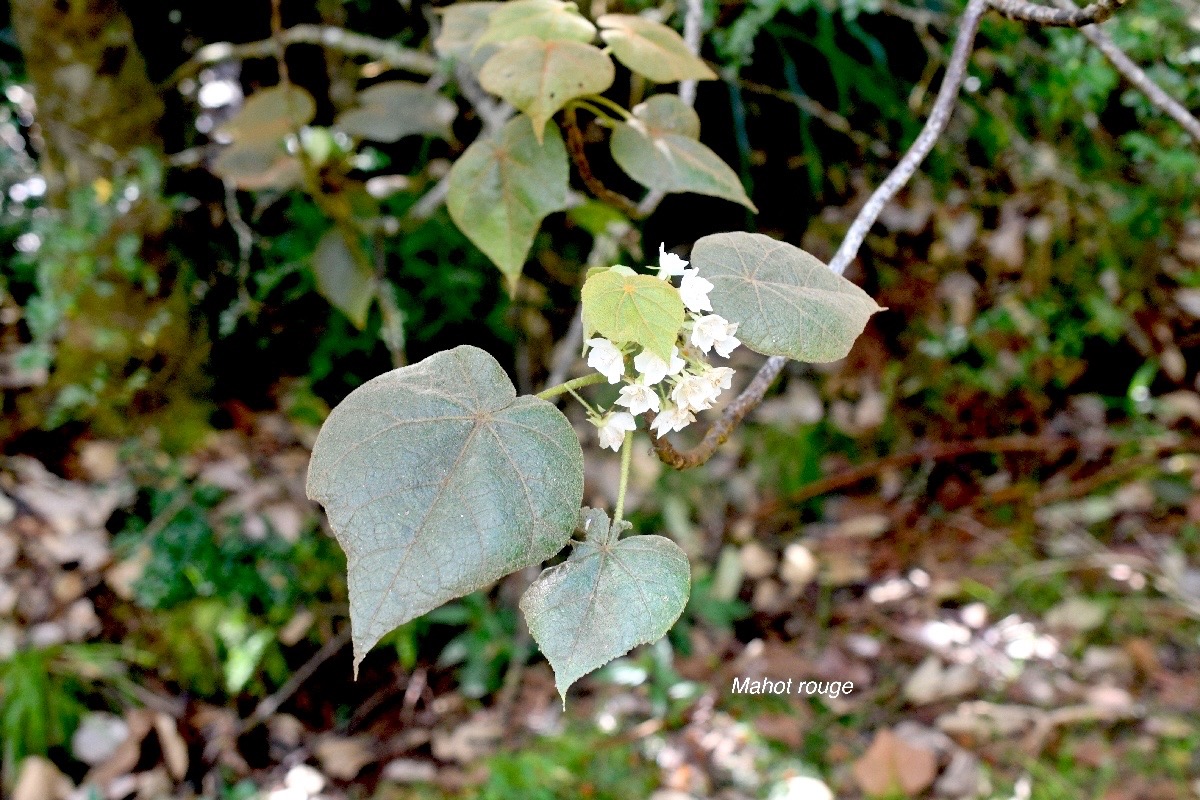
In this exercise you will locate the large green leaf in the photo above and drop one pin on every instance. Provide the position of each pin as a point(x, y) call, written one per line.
point(545, 19)
point(606, 599)
point(539, 77)
point(502, 188)
point(387, 112)
point(785, 301)
point(625, 307)
point(462, 25)
point(652, 49)
point(659, 149)
point(342, 279)
point(438, 480)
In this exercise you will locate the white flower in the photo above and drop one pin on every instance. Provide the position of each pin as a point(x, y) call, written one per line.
point(612, 428)
point(694, 392)
point(720, 377)
point(713, 330)
point(694, 291)
point(654, 369)
point(671, 419)
point(606, 359)
point(638, 398)
point(669, 264)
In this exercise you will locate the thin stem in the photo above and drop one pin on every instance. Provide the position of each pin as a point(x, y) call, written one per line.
point(600, 114)
point(583, 402)
point(626, 457)
point(612, 104)
point(571, 385)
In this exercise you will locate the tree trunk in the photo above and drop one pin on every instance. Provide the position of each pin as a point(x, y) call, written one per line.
point(95, 103)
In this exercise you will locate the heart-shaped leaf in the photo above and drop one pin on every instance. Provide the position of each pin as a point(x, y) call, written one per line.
point(606, 599)
point(462, 25)
point(271, 114)
point(625, 307)
point(652, 49)
point(258, 164)
point(545, 19)
point(438, 480)
point(539, 77)
point(387, 112)
point(666, 113)
point(787, 302)
point(502, 188)
point(658, 148)
point(345, 282)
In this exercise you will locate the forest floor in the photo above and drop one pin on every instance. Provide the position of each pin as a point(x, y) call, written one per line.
point(185, 620)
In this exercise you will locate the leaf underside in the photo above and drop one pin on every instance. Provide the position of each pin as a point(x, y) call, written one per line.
point(545, 19)
point(785, 301)
point(438, 480)
point(625, 307)
point(348, 285)
point(652, 49)
point(539, 77)
point(607, 598)
point(659, 149)
point(502, 188)
point(387, 112)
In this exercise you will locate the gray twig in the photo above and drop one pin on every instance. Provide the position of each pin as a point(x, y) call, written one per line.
point(1065, 16)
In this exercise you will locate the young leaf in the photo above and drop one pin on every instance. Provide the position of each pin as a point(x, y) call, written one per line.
point(625, 307)
point(787, 302)
point(438, 480)
point(545, 19)
point(348, 285)
point(652, 49)
point(659, 149)
point(387, 112)
point(606, 599)
point(462, 25)
point(502, 188)
point(539, 77)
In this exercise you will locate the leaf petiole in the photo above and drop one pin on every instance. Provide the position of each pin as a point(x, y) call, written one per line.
point(626, 457)
point(614, 106)
point(571, 386)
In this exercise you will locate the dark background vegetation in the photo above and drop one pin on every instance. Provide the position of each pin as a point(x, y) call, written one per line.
point(1013, 441)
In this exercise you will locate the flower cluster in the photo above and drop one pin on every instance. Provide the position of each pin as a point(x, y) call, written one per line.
point(675, 391)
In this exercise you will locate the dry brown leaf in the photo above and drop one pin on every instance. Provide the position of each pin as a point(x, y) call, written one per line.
point(40, 780)
point(343, 757)
point(175, 751)
point(891, 765)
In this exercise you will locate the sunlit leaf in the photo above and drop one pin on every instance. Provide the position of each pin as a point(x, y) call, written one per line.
point(652, 49)
point(625, 307)
point(438, 480)
point(462, 25)
point(271, 114)
point(539, 77)
point(787, 302)
point(502, 188)
point(607, 598)
point(545, 19)
point(348, 285)
point(658, 148)
point(387, 112)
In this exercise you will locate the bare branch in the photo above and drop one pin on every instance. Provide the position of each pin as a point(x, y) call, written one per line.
point(939, 115)
point(355, 44)
point(1065, 16)
point(1138, 77)
point(753, 394)
point(575, 146)
point(719, 431)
